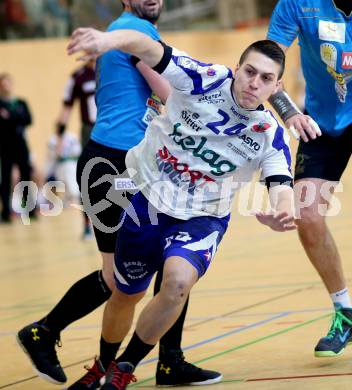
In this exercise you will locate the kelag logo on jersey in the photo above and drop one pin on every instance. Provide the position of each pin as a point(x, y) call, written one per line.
point(213, 159)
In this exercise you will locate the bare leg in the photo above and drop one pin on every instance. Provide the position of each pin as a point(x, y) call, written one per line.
point(166, 306)
point(118, 315)
point(318, 242)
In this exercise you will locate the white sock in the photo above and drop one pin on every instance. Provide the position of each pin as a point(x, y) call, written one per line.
point(341, 299)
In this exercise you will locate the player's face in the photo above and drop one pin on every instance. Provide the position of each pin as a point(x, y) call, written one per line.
point(256, 80)
point(146, 9)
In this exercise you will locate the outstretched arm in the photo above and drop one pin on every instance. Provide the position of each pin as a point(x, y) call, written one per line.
point(281, 218)
point(95, 42)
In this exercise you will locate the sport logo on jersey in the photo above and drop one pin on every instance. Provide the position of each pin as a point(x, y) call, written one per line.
point(347, 60)
point(180, 173)
point(260, 127)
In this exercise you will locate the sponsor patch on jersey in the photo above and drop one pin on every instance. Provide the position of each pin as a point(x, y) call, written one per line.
point(211, 72)
point(149, 115)
point(154, 104)
point(187, 62)
point(328, 54)
point(261, 127)
point(331, 31)
point(347, 60)
point(124, 183)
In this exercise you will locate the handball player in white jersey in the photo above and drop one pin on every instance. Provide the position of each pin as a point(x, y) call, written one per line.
point(214, 134)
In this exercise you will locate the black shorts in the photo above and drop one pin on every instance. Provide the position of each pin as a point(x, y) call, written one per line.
point(325, 157)
point(97, 170)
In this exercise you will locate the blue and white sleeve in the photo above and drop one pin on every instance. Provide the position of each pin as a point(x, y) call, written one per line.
point(277, 160)
point(189, 75)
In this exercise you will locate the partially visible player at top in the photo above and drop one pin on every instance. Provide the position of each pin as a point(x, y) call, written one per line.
point(188, 167)
point(324, 30)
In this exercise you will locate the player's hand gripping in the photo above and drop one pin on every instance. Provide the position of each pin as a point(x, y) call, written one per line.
point(280, 221)
point(89, 40)
point(303, 126)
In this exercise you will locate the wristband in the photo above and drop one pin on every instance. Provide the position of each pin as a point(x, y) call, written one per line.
point(283, 105)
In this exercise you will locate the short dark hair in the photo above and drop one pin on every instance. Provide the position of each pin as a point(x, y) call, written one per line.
point(270, 49)
point(123, 5)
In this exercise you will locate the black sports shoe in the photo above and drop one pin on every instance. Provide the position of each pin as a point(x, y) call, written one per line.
point(91, 380)
point(39, 344)
point(339, 335)
point(118, 376)
point(173, 370)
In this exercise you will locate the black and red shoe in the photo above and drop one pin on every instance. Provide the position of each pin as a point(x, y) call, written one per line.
point(118, 376)
point(91, 380)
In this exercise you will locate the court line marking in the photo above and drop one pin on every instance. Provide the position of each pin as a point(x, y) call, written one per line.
point(227, 351)
point(148, 361)
point(248, 307)
point(285, 378)
point(29, 311)
point(244, 345)
point(201, 343)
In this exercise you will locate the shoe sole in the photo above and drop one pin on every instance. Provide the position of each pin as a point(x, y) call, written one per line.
point(203, 383)
point(46, 377)
point(327, 353)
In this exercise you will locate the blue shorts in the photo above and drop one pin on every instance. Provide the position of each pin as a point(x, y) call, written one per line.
point(142, 250)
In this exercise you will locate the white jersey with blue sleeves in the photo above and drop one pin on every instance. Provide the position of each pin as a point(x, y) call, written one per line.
point(325, 37)
point(204, 147)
